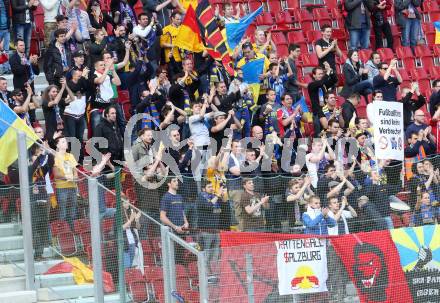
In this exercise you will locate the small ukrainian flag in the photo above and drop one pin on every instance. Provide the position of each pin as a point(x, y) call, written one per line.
point(437, 32)
point(10, 123)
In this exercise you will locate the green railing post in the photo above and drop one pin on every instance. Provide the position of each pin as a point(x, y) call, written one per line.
point(119, 237)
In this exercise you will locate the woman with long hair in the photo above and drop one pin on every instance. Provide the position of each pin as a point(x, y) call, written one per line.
point(51, 99)
point(356, 76)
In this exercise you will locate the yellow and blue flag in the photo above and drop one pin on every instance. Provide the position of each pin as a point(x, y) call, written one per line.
point(437, 32)
point(235, 30)
point(302, 104)
point(251, 72)
point(10, 123)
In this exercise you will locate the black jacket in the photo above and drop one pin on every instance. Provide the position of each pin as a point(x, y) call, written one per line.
point(410, 106)
point(327, 82)
point(21, 72)
point(19, 8)
point(413, 150)
point(110, 131)
point(348, 110)
point(352, 77)
point(53, 64)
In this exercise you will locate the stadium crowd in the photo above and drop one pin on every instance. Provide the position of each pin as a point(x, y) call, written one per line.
point(105, 62)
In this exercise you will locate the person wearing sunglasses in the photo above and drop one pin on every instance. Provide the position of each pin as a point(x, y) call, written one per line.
point(388, 80)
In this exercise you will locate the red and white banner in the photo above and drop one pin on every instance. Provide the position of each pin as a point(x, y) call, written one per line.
point(302, 266)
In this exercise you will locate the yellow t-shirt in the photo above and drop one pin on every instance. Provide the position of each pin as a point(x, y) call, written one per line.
point(216, 178)
point(263, 52)
point(66, 168)
point(169, 34)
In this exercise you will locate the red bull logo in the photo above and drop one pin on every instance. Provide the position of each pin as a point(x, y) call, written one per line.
point(304, 279)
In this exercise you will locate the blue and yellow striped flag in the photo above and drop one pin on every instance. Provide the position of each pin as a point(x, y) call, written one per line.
point(10, 123)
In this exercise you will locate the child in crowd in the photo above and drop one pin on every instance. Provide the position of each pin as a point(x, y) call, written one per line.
point(424, 211)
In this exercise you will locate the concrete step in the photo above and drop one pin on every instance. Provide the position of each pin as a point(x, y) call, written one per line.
point(19, 297)
point(12, 242)
point(17, 269)
point(12, 284)
point(17, 255)
point(46, 281)
point(13, 255)
point(113, 298)
point(65, 292)
point(55, 280)
point(9, 229)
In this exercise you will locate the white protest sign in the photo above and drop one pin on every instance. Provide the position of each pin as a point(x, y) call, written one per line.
point(302, 266)
point(387, 119)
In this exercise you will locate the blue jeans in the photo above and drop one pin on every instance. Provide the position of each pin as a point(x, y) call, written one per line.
point(74, 127)
point(364, 87)
point(129, 255)
point(67, 203)
point(5, 36)
point(24, 31)
point(359, 36)
point(411, 32)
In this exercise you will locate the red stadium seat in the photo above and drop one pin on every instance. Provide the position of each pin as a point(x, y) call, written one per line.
point(429, 30)
point(265, 19)
point(254, 5)
point(312, 36)
point(107, 228)
point(81, 227)
point(303, 19)
point(309, 60)
point(434, 72)
point(430, 6)
point(419, 74)
point(275, 6)
point(434, 16)
point(396, 36)
point(110, 199)
point(298, 38)
point(405, 54)
point(279, 38)
point(365, 54)
point(282, 51)
point(425, 56)
point(293, 4)
point(331, 4)
point(148, 251)
point(386, 54)
point(137, 285)
point(322, 16)
point(64, 236)
point(283, 20)
point(404, 74)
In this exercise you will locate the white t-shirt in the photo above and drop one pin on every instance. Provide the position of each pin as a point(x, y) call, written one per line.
point(312, 168)
point(105, 88)
point(334, 231)
point(76, 107)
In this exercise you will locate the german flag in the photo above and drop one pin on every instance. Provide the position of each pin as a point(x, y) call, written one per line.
point(189, 37)
point(215, 41)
